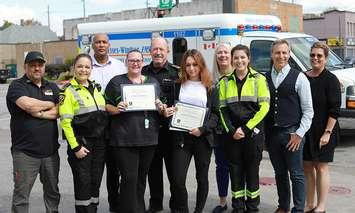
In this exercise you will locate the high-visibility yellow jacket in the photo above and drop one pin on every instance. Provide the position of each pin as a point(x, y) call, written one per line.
point(81, 112)
point(248, 110)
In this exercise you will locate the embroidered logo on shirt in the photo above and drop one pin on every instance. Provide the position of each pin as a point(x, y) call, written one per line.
point(48, 92)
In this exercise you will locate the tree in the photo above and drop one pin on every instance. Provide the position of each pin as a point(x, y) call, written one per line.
point(30, 22)
point(5, 25)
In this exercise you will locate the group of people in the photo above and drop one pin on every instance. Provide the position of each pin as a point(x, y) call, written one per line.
point(244, 109)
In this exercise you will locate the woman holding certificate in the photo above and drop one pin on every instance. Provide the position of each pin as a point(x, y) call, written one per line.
point(195, 115)
point(131, 102)
point(244, 102)
point(83, 119)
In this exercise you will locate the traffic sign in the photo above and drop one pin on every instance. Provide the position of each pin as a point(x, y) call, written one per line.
point(165, 4)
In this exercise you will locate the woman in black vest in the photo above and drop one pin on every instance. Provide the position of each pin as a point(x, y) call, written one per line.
point(323, 135)
point(195, 88)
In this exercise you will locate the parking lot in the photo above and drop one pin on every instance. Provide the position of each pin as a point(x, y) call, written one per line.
point(341, 194)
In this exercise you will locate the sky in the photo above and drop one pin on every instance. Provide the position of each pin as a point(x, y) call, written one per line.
point(15, 10)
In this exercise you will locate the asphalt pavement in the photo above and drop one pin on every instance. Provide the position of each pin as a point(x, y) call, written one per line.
point(341, 195)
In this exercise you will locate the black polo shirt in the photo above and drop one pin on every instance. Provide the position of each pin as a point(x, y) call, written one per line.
point(34, 136)
point(133, 128)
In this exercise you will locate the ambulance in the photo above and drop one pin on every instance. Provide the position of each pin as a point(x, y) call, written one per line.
point(205, 32)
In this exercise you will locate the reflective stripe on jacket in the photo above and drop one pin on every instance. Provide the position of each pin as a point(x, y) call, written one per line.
point(79, 103)
point(250, 108)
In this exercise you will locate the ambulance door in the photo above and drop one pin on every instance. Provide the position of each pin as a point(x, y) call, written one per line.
point(179, 48)
point(181, 40)
point(260, 52)
point(207, 42)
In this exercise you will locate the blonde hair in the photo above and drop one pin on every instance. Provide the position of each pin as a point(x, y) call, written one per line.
point(216, 72)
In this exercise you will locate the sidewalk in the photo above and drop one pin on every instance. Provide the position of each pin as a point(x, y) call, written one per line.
point(341, 197)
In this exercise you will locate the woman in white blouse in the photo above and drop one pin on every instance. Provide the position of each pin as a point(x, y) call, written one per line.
point(195, 87)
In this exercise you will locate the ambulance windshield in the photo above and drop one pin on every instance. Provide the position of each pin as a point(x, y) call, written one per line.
point(301, 47)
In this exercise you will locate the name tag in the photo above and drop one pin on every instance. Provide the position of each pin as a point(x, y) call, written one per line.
point(48, 92)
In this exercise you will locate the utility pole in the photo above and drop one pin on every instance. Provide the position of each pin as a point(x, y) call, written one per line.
point(49, 21)
point(84, 8)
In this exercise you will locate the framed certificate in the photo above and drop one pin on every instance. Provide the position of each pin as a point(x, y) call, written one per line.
point(139, 97)
point(187, 117)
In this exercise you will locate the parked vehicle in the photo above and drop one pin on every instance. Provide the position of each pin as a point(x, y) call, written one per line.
point(205, 32)
point(350, 61)
point(4, 75)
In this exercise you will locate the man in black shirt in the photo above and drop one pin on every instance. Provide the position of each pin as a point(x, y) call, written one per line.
point(166, 74)
point(32, 103)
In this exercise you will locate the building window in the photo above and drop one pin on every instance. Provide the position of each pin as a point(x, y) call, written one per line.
point(58, 60)
point(294, 24)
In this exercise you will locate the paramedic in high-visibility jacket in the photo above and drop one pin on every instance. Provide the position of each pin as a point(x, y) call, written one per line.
point(83, 119)
point(244, 102)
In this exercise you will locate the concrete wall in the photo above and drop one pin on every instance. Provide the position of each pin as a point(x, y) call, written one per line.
point(315, 27)
point(290, 14)
point(7, 55)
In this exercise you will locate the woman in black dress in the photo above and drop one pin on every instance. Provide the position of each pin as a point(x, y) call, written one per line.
point(323, 135)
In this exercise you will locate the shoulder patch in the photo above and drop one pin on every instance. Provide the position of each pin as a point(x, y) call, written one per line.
point(64, 86)
point(61, 98)
point(175, 66)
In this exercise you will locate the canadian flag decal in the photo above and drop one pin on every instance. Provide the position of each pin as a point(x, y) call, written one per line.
point(209, 46)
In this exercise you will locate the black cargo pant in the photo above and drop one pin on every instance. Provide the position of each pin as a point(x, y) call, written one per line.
point(199, 148)
point(87, 174)
point(112, 180)
point(244, 158)
point(133, 163)
point(155, 175)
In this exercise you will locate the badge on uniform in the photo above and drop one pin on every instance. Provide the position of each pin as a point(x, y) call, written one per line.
point(48, 92)
point(61, 99)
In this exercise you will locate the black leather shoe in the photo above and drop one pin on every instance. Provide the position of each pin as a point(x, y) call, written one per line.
point(310, 211)
point(153, 210)
point(238, 211)
point(219, 209)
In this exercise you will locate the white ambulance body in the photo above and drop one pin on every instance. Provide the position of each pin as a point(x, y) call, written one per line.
point(205, 32)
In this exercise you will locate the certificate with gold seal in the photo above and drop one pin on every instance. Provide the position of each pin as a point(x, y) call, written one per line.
point(187, 117)
point(139, 97)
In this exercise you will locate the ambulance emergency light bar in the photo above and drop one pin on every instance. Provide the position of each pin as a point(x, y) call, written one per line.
point(247, 28)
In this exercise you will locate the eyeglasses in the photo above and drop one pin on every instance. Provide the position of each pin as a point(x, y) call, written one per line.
point(312, 55)
point(134, 61)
